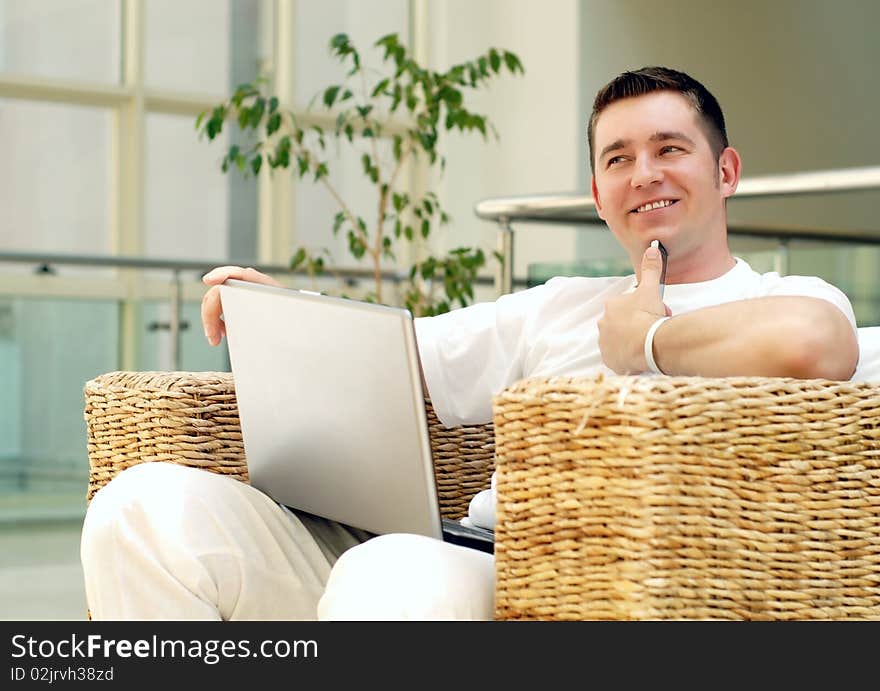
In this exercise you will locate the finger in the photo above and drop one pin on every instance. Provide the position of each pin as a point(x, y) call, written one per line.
point(649, 276)
point(216, 276)
point(668, 311)
point(211, 313)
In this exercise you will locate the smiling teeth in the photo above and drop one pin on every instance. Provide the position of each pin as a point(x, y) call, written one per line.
point(655, 205)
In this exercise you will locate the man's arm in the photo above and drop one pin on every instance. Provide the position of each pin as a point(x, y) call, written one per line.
point(784, 336)
point(781, 336)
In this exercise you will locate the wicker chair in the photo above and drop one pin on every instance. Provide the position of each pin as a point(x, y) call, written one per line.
point(618, 498)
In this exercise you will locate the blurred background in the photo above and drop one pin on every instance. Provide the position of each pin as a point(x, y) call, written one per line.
point(111, 207)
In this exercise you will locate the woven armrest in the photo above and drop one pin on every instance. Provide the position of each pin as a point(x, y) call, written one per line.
point(684, 497)
point(191, 418)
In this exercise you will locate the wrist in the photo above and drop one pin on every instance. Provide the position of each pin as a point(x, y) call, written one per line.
point(649, 346)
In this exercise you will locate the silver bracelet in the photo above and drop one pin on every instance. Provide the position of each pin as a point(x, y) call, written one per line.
point(649, 345)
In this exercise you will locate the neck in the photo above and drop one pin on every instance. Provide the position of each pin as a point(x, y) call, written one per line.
point(704, 262)
point(699, 265)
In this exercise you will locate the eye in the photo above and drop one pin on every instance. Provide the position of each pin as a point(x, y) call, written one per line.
point(614, 160)
point(670, 148)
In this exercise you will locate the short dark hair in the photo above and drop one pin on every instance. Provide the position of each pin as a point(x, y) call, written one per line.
point(649, 79)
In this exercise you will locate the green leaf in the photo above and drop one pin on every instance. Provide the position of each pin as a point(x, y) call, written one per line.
point(330, 94)
point(386, 248)
point(303, 165)
point(244, 117)
point(380, 88)
point(494, 60)
point(298, 258)
point(273, 124)
point(513, 63)
point(320, 171)
point(256, 164)
point(356, 245)
point(273, 104)
point(426, 228)
point(472, 74)
point(338, 220)
point(388, 41)
point(399, 201)
point(411, 99)
point(257, 112)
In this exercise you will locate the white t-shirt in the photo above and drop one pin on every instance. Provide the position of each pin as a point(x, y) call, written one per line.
point(470, 354)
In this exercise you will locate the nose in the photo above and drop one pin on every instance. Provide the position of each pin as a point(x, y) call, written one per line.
point(645, 172)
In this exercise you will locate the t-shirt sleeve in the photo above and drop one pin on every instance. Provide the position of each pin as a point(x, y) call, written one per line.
point(810, 286)
point(470, 354)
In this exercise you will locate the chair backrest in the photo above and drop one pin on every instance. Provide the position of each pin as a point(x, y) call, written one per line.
point(191, 418)
point(869, 355)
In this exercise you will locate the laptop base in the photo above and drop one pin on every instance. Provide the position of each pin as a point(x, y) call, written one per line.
point(467, 536)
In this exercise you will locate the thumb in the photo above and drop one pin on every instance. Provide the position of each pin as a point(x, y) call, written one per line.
point(649, 273)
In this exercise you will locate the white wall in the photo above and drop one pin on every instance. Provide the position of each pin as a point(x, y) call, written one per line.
point(535, 115)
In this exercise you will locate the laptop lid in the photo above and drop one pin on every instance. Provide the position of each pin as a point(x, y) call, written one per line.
point(331, 406)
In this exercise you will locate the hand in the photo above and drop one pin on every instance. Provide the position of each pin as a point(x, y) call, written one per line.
point(627, 318)
point(212, 310)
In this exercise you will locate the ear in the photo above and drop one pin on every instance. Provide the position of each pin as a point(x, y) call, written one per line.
point(595, 192)
point(730, 168)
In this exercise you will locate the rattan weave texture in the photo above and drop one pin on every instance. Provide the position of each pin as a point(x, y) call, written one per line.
point(191, 418)
point(688, 498)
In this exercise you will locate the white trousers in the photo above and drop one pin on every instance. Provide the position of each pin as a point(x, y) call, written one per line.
point(162, 541)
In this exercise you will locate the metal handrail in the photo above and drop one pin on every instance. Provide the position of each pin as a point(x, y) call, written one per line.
point(43, 262)
point(581, 209)
point(199, 265)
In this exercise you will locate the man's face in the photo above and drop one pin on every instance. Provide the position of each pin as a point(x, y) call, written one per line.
point(657, 178)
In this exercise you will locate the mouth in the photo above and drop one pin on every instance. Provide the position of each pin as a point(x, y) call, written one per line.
point(654, 206)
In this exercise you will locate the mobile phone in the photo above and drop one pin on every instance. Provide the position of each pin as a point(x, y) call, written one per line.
point(664, 256)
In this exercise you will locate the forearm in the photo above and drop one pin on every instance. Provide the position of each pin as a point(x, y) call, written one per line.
point(774, 336)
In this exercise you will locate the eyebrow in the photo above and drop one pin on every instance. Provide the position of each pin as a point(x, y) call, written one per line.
point(656, 137)
point(666, 136)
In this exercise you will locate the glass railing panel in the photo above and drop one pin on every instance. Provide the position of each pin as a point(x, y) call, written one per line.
point(195, 353)
point(49, 348)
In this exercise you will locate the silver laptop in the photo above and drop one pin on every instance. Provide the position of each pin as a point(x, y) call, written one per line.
point(332, 410)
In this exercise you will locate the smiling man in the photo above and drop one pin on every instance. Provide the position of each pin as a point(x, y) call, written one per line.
point(662, 170)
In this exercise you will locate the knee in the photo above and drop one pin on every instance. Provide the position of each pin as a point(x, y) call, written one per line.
point(138, 499)
point(144, 486)
point(403, 576)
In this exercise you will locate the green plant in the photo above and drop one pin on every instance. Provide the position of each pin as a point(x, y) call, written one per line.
point(410, 103)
